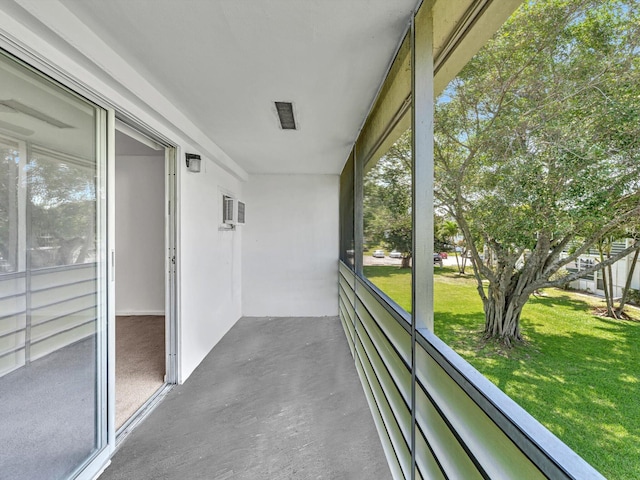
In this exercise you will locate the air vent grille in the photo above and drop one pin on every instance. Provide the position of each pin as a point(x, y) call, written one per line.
point(227, 210)
point(240, 218)
point(285, 114)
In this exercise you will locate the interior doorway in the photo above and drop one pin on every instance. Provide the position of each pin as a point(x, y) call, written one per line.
point(143, 238)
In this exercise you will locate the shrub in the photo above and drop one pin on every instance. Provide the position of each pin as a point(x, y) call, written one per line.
point(634, 296)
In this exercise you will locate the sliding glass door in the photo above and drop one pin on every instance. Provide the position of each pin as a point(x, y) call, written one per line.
point(53, 278)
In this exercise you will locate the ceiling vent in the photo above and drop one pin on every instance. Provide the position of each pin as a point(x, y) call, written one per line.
point(285, 114)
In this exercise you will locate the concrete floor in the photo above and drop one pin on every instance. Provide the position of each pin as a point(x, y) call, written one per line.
point(277, 398)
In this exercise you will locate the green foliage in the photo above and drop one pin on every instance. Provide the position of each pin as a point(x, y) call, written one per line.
point(441, 237)
point(634, 296)
point(449, 229)
point(538, 142)
point(540, 130)
point(579, 375)
point(387, 198)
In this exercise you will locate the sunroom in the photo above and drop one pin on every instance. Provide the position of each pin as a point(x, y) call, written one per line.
point(175, 170)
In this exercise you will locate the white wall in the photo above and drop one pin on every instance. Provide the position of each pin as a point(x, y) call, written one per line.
point(140, 242)
point(290, 246)
point(210, 263)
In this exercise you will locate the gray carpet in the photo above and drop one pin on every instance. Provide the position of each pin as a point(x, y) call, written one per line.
point(140, 362)
point(47, 415)
point(276, 399)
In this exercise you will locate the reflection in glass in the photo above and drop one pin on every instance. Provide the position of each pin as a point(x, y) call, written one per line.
point(9, 187)
point(347, 243)
point(52, 415)
point(62, 203)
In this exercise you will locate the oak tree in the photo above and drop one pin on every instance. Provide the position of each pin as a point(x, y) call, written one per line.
point(537, 148)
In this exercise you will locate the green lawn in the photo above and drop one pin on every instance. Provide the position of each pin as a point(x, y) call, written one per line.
point(579, 374)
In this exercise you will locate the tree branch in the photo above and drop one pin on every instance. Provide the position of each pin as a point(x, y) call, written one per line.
point(587, 244)
point(587, 271)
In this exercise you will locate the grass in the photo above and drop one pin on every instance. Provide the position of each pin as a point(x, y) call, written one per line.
point(578, 374)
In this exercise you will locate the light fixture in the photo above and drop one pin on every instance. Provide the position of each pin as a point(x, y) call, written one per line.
point(193, 162)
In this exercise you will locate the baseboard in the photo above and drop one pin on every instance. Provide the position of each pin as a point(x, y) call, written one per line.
point(128, 313)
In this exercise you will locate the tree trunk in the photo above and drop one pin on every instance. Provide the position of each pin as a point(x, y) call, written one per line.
point(609, 270)
point(608, 297)
point(627, 286)
point(458, 262)
point(461, 261)
point(405, 262)
point(608, 300)
point(502, 315)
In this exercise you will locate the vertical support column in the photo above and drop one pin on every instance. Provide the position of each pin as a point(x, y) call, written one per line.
point(422, 128)
point(422, 93)
point(358, 233)
point(28, 228)
point(171, 339)
point(358, 227)
point(21, 261)
point(106, 134)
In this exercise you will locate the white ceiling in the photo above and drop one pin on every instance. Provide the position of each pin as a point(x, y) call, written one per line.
point(223, 63)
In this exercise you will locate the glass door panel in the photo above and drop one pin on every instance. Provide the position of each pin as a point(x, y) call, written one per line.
point(52, 278)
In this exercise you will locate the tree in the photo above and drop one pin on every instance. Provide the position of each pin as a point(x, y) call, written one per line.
point(441, 241)
point(537, 147)
point(451, 230)
point(604, 246)
point(619, 312)
point(387, 199)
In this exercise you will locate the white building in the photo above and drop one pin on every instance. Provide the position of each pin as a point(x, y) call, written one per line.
point(619, 271)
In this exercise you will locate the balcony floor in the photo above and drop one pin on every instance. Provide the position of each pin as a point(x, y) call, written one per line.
point(277, 398)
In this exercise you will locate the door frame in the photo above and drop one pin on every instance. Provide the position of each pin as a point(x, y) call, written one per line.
point(172, 344)
point(135, 130)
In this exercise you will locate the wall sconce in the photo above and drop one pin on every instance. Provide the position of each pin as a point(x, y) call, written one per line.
point(193, 162)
